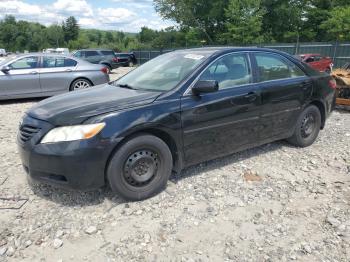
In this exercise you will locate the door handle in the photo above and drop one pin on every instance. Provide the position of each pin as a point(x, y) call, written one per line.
point(68, 70)
point(33, 72)
point(251, 97)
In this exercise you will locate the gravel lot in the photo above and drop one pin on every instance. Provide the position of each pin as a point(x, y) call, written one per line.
point(296, 207)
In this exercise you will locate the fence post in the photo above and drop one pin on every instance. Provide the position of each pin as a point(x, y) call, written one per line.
point(335, 50)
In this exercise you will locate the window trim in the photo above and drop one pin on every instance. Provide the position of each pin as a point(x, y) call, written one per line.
point(246, 53)
point(41, 66)
point(283, 59)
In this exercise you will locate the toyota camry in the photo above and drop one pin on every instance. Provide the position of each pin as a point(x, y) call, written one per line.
point(177, 110)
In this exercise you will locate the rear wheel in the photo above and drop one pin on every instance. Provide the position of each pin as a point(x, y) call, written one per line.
point(140, 168)
point(328, 70)
point(307, 128)
point(131, 63)
point(80, 84)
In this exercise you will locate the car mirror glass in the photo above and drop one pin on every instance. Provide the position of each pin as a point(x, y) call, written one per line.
point(205, 86)
point(5, 69)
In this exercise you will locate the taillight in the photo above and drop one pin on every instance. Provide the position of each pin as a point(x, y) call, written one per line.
point(332, 84)
point(104, 70)
point(115, 59)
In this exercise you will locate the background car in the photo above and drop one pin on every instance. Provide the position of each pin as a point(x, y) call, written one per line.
point(99, 56)
point(2, 52)
point(126, 59)
point(318, 62)
point(38, 75)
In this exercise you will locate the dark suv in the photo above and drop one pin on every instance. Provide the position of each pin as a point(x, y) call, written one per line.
point(99, 56)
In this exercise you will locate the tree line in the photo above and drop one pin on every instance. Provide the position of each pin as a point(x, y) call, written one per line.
point(22, 35)
point(200, 22)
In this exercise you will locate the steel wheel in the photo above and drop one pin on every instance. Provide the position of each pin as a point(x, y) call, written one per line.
point(141, 167)
point(308, 125)
point(80, 84)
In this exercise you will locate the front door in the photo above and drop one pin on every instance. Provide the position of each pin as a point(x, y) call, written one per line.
point(284, 89)
point(22, 78)
point(219, 123)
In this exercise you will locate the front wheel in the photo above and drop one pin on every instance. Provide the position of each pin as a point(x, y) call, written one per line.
point(140, 168)
point(307, 128)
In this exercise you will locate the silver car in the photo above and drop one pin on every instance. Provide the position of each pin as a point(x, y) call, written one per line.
point(39, 75)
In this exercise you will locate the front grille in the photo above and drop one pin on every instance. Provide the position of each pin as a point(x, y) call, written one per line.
point(26, 132)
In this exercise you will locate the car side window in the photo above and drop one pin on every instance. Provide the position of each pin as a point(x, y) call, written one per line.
point(25, 63)
point(273, 67)
point(77, 54)
point(90, 53)
point(69, 62)
point(310, 59)
point(230, 71)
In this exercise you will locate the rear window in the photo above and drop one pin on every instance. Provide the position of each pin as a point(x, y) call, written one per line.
point(106, 52)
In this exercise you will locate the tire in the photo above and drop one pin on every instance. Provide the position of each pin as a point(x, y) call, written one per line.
point(328, 71)
point(307, 127)
point(80, 84)
point(131, 64)
point(140, 168)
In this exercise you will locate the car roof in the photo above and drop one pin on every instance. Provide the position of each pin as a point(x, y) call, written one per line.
point(228, 49)
point(95, 49)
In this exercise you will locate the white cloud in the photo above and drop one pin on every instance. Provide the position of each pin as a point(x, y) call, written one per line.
point(129, 16)
point(73, 7)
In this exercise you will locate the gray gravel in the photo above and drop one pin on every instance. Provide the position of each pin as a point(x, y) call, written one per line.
point(296, 207)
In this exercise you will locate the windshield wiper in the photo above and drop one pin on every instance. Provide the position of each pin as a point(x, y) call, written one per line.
point(126, 86)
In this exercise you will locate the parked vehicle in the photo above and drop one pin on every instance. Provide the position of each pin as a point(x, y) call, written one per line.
point(176, 110)
point(61, 51)
point(38, 75)
point(99, 56)
point(2, 52)
point(318, 62)
point(126, 59)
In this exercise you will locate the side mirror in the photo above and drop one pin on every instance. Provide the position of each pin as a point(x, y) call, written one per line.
point(205, 86)
point(5, 69)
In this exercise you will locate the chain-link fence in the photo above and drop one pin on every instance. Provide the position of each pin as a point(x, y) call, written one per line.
point(339, 52)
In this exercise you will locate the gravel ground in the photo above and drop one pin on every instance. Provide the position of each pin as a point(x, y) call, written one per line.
point(272, 203)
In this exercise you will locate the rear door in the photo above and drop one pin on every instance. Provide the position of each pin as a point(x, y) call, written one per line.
point(23, 77)
point(93, 56)
point(284, 89)
point(222, 122)
point(57, 73)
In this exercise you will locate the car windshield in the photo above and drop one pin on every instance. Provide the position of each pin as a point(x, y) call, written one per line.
point(5, 61)
point(164, 72)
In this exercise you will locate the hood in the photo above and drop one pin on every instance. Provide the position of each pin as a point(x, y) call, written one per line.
point(75, 107)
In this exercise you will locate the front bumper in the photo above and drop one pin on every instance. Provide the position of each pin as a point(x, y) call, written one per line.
point(75, 165)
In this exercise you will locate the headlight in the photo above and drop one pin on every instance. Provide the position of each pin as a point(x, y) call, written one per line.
point(71, 133)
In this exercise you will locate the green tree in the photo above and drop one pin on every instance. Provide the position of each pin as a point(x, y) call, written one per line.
point(338, 24)
point(55, 35)
point(70, 29)
point(244, 22)
point(207, 16)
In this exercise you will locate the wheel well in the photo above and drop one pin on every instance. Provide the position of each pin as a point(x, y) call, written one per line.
point(167, 139)
point(322, 109)
point(85, 78)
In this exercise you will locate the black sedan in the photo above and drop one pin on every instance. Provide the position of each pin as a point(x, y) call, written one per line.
point(177, 110)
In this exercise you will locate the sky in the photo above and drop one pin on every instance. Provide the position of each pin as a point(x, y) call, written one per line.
point(121, 15)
